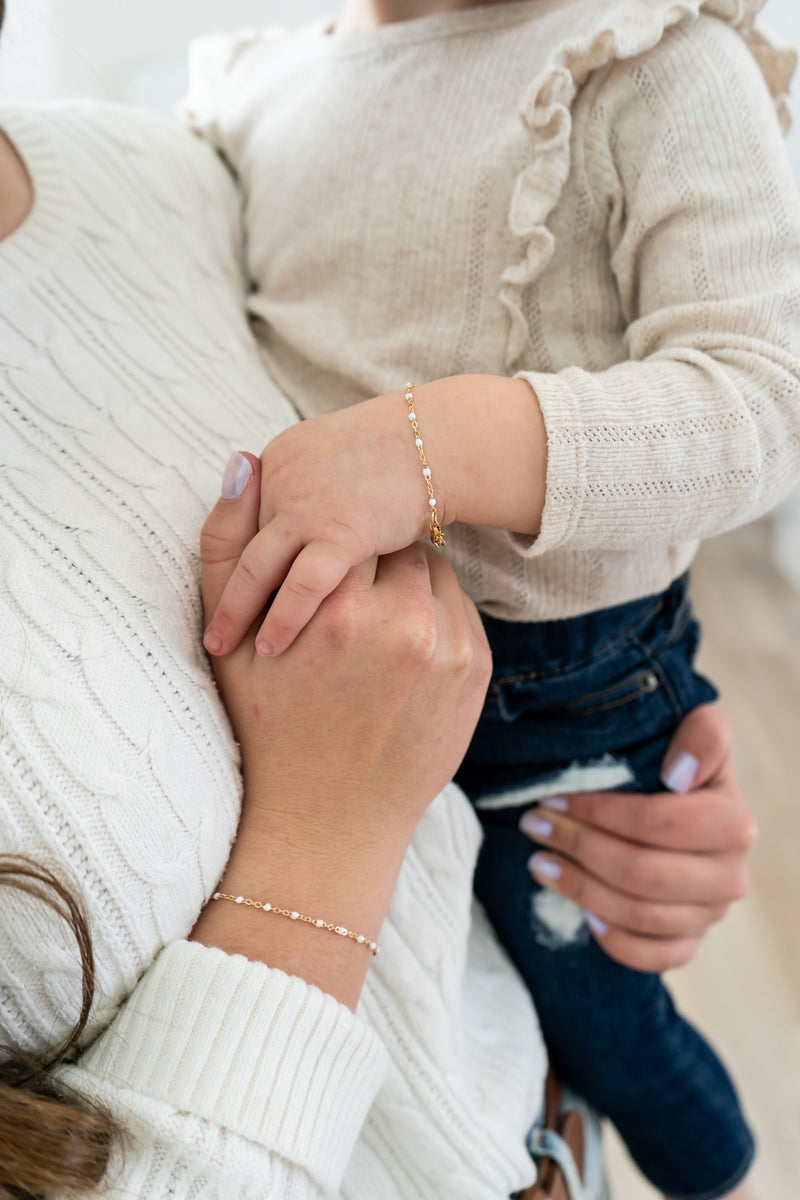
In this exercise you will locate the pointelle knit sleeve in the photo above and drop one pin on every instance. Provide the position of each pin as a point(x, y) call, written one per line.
point(699, 430)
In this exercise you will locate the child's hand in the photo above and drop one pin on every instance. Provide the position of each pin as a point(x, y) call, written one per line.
point(338, 489)
point(335, 490)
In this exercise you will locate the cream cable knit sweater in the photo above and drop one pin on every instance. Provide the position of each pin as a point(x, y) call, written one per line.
point(592, 194)
point(127, 373)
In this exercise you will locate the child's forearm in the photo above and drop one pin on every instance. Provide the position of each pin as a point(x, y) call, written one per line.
point(486, 445)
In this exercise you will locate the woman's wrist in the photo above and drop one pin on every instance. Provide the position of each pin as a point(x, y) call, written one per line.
point(346, 738)
point(486, 444)
point(294, 865)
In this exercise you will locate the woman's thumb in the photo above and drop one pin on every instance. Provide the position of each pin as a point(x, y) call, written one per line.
point(701, 743)
point(231, 524)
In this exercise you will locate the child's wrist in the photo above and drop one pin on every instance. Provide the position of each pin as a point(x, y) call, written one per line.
point(486, 446)
point(443, 415)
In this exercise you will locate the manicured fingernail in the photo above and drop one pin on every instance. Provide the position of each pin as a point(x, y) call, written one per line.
point(236, 477)
point(534, 826)
point(545, 868)
point(680, 771)
point(212, 641)
point(598, 927)
point(556, 803)
point(265, 648)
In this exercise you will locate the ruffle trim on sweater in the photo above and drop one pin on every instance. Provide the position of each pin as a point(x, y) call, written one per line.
point(621, 31)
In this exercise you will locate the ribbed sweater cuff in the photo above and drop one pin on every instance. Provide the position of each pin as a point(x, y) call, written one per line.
point(565, 465)
point(259, 1052)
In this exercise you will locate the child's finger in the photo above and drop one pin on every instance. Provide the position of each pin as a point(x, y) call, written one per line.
point(261, 566)
point(317, 571)
point(231, 524)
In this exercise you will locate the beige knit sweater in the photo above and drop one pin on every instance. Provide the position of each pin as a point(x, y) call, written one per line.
point(590, 193)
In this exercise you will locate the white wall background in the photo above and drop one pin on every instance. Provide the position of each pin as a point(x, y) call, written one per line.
point(134, 49)
point(122, 49)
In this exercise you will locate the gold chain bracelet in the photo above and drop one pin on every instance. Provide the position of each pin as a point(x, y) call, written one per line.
point(317, 922)
point(437, 537)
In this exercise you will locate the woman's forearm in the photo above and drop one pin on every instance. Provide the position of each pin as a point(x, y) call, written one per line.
point(313, 871)
point(346, 739)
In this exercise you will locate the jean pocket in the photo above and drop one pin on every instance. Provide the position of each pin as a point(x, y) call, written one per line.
point(515, 700)
point(638, 684)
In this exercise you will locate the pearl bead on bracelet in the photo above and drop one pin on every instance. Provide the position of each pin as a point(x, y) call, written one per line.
point(317, 922)
point(437, 537)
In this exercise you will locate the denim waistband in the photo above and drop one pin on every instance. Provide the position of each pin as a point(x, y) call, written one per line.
point(554, 646)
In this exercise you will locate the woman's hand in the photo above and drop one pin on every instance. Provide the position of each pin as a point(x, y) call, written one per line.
point(654, 872)
point(380, 696)
point(346, 738)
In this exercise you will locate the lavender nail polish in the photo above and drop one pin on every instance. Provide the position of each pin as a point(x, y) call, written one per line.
point(236, 477)
point(535, 827)
point(543, 867)
point(680, 772)
point(597, 926)
point(555, 803)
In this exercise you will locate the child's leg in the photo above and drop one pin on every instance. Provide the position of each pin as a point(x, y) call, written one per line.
point(614, 1035)
point(607, 689)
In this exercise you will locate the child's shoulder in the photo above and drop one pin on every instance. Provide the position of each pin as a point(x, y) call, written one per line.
point(711, 46)
point(215, 56)
point(653, 54)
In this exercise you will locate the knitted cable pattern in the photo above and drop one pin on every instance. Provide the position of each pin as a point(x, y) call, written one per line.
point(128, 374)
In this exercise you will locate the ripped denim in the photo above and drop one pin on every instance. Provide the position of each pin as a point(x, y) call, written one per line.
point(592, 702)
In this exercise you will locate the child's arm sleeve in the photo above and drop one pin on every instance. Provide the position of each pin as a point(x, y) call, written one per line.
point(699, 430)
point(230, 1079)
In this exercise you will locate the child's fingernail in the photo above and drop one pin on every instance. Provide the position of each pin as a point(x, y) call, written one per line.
point(598, 927)
point(236, 477)
point(212, 641)
point(534, 826)
point(265, 649)
point(680, 771)
point(556, 803)
point(545, 868)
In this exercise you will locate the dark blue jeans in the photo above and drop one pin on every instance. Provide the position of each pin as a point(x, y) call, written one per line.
point(613, 683)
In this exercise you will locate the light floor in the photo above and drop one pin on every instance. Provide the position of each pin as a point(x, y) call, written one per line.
point(743, 988)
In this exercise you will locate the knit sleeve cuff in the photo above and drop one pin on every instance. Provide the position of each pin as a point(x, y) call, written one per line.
point(563, 500)
point(265, 1055)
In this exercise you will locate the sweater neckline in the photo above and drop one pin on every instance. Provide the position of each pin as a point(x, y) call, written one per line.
point(434, 27)
point(51, 223)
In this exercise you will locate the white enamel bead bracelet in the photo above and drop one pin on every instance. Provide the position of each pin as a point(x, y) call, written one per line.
point(437, 537)
point(317, 922)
